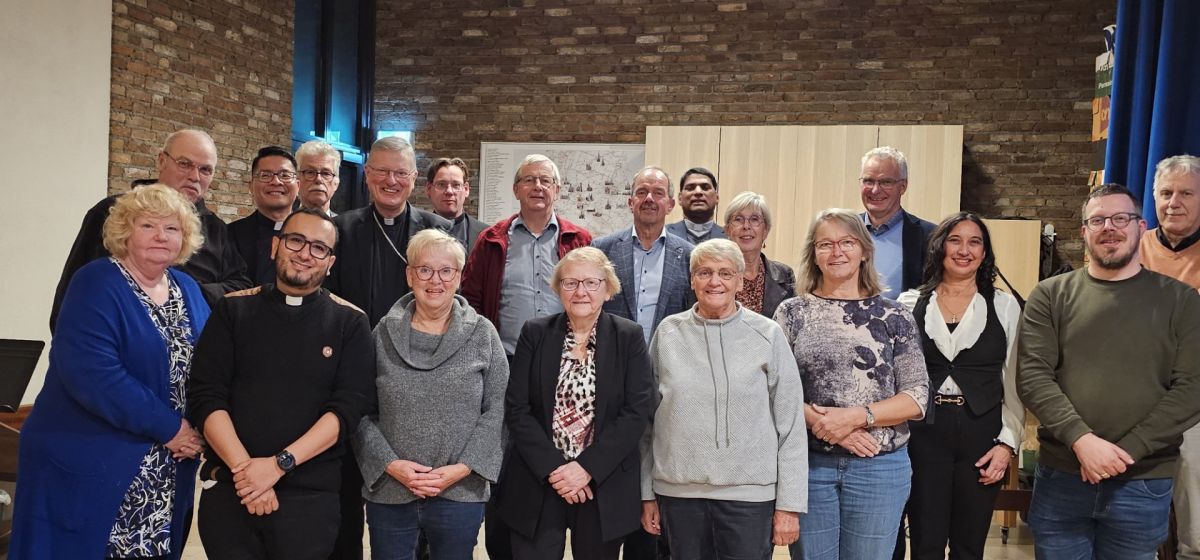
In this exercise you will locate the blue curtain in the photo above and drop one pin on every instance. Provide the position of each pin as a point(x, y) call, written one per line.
point(1155, 110)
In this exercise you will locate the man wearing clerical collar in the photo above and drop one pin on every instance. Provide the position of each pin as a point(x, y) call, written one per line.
point(1172, 249)
point(698, 198)
point(318, 164)
point(186, 163)
point(273, 188)
point(280, 379)
point(448, 184)
point(900, 237)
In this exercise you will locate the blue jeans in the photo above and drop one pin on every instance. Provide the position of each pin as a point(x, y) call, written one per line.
point(1114, 520)
point(451, 528)
point(854, 506)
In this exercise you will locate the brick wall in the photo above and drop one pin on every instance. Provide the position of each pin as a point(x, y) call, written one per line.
point(221, 66)
point(1017, 75)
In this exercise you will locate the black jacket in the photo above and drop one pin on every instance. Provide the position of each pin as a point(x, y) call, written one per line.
point(915, 241)
point(780, 285)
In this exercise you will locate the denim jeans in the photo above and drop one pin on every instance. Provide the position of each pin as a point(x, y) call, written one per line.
point(451, 528)
point(703, 529)
point(1115, 520)
point(854, 506)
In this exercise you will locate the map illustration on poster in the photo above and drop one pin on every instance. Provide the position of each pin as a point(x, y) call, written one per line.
point(595, 181)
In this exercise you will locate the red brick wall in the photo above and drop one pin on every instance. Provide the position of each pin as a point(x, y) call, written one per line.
point(1017, 75)
point(221, 66)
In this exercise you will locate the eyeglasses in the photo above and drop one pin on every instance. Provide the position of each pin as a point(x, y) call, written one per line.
point(753, 221)
point(705, 274)
point(572, 284)
point(882, 183)
point(312, 174)
point(448, 186)
point(444, 274)
point(296, 242)
point(531, 180)
point(843, 244)
point(185, 165)
point(267, 176)
point(1119, 220)
point(400, 174)
point(655, 195)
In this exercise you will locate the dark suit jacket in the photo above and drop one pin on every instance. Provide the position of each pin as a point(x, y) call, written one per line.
point(915, 241)
point(678, 228)
point(474, 228)
point(354, 270)
point(780, 285)
point(623, 410)
point(674, 295)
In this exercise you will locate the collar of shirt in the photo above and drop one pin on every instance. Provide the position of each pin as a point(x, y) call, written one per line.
point(391, 221)
point(699, 230)
point(637, 241)
point(1183, 243)
point(886, 226)
point(517, 221)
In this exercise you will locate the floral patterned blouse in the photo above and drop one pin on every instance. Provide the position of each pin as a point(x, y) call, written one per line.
point(751, 294)
point(575, 398)
point(143, 525)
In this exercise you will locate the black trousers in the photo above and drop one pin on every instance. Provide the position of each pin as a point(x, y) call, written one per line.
point(948, 504)
point(703, 529)
point(640, 545)
point(550, 539)
point(304, 527)
point(348, 545)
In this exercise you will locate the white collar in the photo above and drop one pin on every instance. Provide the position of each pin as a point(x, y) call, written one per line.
point(969, 329)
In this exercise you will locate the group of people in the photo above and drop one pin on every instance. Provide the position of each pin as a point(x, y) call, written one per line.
point(663, 391)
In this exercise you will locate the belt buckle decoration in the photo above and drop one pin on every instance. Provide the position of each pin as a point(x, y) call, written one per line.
point(958, 400)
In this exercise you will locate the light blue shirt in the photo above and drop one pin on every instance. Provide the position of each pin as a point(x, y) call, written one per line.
point(525, 291)
point(889, 252)
point(647, 279)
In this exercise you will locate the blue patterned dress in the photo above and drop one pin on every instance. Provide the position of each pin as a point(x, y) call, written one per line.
point(143, 524)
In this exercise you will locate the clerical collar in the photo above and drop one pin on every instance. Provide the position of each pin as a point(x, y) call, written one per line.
point(274, 293)
point(1183, 243)
point(461, 218)
point(278, 226)
point(390, 221)
point(698, 230)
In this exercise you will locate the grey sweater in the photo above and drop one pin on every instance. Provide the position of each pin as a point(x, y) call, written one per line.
point(435, 408)
point(729, 423)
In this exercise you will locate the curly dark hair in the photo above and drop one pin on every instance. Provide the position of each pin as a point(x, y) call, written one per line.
point(935, 255)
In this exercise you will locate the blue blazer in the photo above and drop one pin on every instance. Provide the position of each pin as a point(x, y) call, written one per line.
point(675, 294)
point(105, 402)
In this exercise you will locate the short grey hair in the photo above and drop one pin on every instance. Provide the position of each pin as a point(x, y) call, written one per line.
point(718, 250)
point(317, 148)
point(748, 200)
point(393, 144)
point(433, 240)
point(594, 257)
point(171, 138)
point(537, 158)
point(888, 153)
point(653, 169)
point(808, 275)
point(1176, 165)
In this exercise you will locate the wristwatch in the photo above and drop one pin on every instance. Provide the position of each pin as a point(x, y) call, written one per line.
point(870, 417)
point(1012, 452)
point(285, 461)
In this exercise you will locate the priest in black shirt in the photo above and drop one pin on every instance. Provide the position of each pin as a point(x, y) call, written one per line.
point(370, 268)
point(280, 378)
point(448, 184)
point(187, 164)
point(273, 186)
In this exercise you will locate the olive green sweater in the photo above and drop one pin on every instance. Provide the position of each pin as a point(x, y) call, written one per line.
point(1118, 359)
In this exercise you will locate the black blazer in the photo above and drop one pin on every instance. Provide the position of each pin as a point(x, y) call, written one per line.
point(780, 285)
point(915, 239)
point(623, 410)
point(474, 228)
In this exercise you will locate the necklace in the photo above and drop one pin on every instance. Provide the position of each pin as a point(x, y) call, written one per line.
point(944, 302)
point(388, 239)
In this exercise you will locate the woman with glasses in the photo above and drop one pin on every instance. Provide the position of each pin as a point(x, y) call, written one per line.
point(430, 456)
point(578, 402)
point(725, 467)
point(864, 377)
point(766, 282)
point(961, 451)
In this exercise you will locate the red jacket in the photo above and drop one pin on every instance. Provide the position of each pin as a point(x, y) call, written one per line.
point(485, 267)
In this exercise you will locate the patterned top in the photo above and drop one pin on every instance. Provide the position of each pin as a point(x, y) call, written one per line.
point(575, 398)
point(143, 525)
point(751, 294)
point(853, 353)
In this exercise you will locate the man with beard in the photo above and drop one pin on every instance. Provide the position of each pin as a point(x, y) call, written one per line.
point(1109, 361)
point(698, 197)
point(273, 188)
point(900, 238)
point(1172, 249)
point(280, 378)
point(318, 163)
point(187, 163)
point(448, 184)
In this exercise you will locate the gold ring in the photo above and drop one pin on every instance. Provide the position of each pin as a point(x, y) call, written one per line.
point(1104, 475)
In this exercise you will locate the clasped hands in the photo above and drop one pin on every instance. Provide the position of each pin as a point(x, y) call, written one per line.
point(571, 482)
point(1099, 459)
point(425, 481)
point(254, 480)
point(844, 427)
point(187, 443)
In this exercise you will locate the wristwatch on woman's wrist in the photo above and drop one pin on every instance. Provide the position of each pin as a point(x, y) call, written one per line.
point(870, 417)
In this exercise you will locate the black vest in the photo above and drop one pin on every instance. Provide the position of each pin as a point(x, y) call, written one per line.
point(978, 370)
